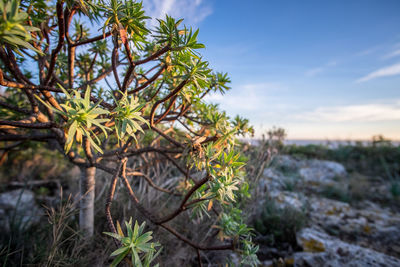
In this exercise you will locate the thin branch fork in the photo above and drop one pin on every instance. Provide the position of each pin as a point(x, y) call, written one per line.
point(149, 81)
point(150, 216)
point(91, 40)
point(134, 151)
point(151, 183)
point(11, 64)
point(111, 195)
point(114, 60)
point(184, 201)
point(169, 96)
point(61, 36)
point(153, 56)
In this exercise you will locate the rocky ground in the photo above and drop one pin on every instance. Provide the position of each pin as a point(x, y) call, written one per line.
point(311, 213)
point(348, 219)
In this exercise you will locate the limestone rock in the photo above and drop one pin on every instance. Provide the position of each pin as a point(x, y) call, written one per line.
point(321, 249)
point(321, 171)
point(18, 209)
point(285, 199)
point(311, 173)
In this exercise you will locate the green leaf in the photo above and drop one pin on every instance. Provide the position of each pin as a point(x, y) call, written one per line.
point(119, 251)
point(95, 146)
point(123, 128)
point(135, 230)
point(116, 236)
point(136, 259)
point(71, 133)
point(49, 106)
point(119, 258)
point(144, 238)
point(87, 99)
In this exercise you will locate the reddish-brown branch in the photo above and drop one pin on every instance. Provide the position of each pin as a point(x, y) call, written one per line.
point(7, 63)
point(9, 83)
point(27, 124)
point(169, 96)
point(153, 56)
point(196, 201)
point(92, 63)
point(151, 183)
point(196, 246)
point(183, 203)
point(187, 128)
point(148, 82)
point(173, 161)
point(114, 60)
point(14, 108)
point(199, 258)
point(11, 64)
point(71, 49)
point(111, 195)
point(88, 150)
point(68, 15)
point(61, 36)
point(94, 39)
point(153, 219)
point(169, 138)
point(13, 61)
point(157, 91)
point(51, 99)
point(136, 202)
point(71, 66)
point(127, 79)
point(99, 77)
point(134, 151)
point(168, 109)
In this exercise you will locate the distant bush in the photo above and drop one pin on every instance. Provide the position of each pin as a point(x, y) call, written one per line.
point(336, 193)
point(364, 158)
point(279, 225)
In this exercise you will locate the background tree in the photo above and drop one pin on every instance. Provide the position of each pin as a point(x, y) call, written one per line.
point(125, 99)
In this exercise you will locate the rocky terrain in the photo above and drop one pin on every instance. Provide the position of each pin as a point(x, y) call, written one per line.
point(348, 220)
point(309, 213)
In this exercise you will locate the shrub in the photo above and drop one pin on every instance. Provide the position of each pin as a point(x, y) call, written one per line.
point(279, 225)
point(128, 101)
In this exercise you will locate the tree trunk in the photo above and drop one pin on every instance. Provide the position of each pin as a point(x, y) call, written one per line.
point(86, 213)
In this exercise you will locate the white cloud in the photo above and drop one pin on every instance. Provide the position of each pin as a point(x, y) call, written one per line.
point(355, 113)
point(246, 97)
point(368, 51)
point(315, 71)
point(383, 72)
point(392, 54)
point(193, 11)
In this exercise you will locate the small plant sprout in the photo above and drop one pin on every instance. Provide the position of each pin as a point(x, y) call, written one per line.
point(136, 244)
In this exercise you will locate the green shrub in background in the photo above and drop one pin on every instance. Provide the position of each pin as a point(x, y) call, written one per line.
point(279, 225)
point(365, 158)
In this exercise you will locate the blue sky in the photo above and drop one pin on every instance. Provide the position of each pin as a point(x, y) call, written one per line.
point(319, 69)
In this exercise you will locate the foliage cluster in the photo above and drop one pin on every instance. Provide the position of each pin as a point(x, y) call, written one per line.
point(135, 243)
